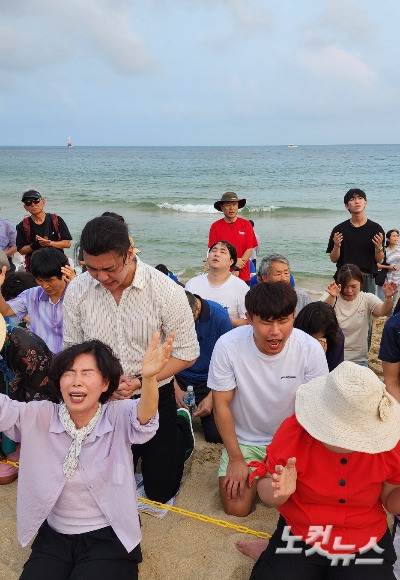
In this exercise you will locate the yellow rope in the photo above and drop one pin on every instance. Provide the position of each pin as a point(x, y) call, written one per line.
point(202, 518)
point(182, 512)
point(8, 462)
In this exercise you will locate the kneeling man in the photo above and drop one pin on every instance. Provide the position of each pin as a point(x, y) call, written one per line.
point(254, 373)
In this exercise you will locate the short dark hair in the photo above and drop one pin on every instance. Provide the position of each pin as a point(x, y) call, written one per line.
point(231, 249)
point(349, 272)
point(318, 317)
point(17, 282)
point(105, 234)
point(352, 192)
point(107, 363)
point(162, 268)
point(192, 301)
point(113, 215)
point(271, 300)
point(47, 262)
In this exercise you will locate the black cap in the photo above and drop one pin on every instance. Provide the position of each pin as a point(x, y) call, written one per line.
point(31, 194)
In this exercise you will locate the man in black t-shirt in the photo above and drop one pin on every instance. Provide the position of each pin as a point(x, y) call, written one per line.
point(40, 230)
point(358, 240)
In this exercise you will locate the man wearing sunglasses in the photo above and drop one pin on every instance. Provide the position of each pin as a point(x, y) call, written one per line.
point(40, 229)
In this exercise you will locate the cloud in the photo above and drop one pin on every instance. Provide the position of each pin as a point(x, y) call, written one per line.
point(347, 19)
point(45, 33)
point(334, 62)
point(247, 17)
point(340, 21)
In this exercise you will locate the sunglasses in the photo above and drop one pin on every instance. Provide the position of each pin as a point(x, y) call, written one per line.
point(29, 202)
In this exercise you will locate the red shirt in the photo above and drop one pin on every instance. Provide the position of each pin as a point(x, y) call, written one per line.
point(240, 234)
point(335, 489)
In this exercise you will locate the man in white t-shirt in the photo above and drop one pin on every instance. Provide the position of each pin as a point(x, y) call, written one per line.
point(220, 285)
point(254, 374)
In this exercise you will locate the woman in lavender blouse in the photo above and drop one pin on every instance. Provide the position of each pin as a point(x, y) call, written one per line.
point(76, 485)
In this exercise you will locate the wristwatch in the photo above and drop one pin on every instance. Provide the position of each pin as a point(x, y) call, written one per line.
point(379, 251)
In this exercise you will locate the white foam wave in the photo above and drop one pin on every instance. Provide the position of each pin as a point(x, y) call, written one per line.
point(204, 208)
point(263, 208)
point(188, 207)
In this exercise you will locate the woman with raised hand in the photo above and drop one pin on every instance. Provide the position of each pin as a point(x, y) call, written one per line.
point(353, 309)
point(76, 483)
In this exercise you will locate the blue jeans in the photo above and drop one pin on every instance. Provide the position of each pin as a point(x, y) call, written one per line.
point(369, 283)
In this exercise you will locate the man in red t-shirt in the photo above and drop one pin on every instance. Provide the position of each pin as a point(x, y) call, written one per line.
point(235, 230)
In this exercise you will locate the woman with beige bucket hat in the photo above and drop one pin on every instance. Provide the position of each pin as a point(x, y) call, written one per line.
point(331, 469)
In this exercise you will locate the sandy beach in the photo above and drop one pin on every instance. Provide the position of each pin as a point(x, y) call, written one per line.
point(178, 547)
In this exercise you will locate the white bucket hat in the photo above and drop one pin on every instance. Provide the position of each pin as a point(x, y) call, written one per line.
point(349, 408)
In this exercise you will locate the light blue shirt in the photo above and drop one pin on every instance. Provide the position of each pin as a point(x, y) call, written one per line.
point(105, 463)
point(8, 235)
point(46, 317)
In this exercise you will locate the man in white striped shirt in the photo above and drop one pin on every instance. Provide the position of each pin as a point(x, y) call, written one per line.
point(122, 302)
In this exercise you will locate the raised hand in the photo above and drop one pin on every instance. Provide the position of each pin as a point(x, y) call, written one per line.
point(68, 274)
point(389, 289)
point(377, 240)
point(155, 357)
point(334, 289)
point(284, 479)
point(337, 239)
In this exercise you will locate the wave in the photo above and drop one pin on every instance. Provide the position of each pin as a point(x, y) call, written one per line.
point(278, 211)
point(205, 208)
point(188, 207)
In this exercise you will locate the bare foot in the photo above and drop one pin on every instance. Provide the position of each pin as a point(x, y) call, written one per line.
point(252, 548)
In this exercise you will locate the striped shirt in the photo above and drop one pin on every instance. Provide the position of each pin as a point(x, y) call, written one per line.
point(153, 302)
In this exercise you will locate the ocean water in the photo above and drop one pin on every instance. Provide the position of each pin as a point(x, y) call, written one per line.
point(166, 194)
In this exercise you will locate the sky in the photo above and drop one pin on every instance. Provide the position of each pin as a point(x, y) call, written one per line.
point(199, 72)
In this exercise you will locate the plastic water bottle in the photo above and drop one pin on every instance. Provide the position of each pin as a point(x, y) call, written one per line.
point(189, 399)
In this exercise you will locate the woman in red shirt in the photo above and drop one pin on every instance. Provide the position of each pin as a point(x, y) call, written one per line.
point(331, 469)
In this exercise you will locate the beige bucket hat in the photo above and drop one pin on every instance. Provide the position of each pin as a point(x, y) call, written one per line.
point(349, 408)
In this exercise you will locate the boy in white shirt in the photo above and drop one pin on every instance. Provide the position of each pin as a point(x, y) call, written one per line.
point(220, 285)
point(254, 374)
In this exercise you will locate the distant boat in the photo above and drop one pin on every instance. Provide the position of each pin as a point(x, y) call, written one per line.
point(292, 145)
point(69, 142)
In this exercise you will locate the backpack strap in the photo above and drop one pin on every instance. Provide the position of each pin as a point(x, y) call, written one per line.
point(26, 224)
point(56, 225)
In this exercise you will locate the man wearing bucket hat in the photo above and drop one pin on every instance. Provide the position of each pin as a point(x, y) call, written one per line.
point(235, 230)
point(331, 469)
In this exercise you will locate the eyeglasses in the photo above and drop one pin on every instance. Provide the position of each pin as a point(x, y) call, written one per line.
point(29, 202)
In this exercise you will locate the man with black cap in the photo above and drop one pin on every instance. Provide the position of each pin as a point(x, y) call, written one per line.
point(40, 230)
point(235, 230)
